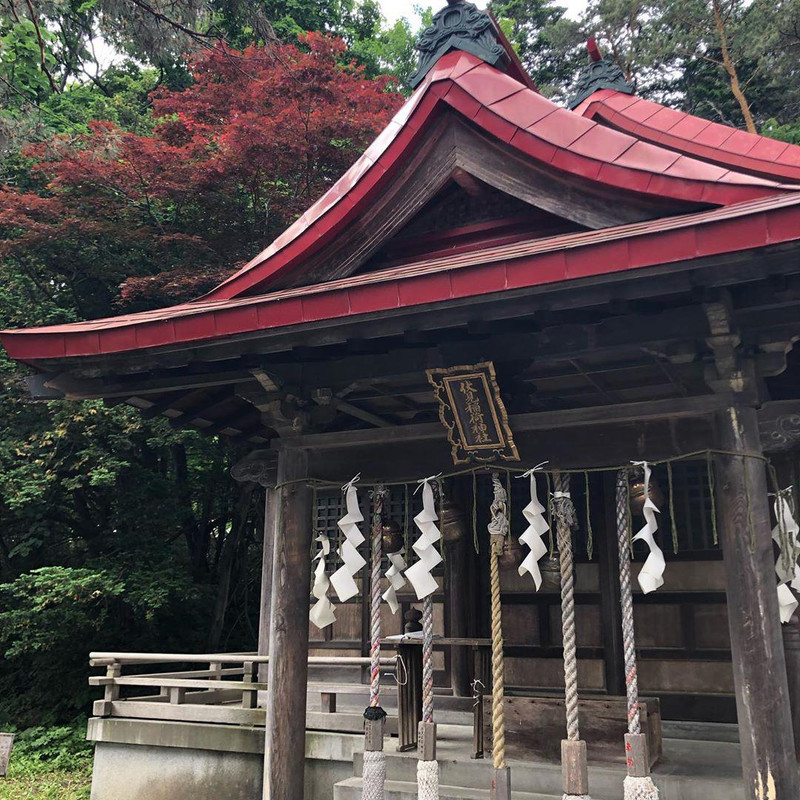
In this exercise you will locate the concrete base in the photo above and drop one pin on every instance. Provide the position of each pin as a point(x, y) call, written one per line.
point(147, 760)
point(154, 760)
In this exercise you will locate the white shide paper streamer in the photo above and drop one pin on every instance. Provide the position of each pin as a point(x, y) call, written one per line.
point(651, 576)
point(537, 527)
point(342, 580)
point(787, 574)
point(396, 580)
point(419, 574)
point(321, 613)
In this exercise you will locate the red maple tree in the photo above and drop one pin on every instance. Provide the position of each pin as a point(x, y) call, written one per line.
point(231, 162)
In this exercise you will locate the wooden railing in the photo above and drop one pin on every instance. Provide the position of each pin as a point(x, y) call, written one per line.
point(222, 688)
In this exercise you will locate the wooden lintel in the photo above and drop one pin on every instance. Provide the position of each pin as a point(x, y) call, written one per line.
point(545, 420)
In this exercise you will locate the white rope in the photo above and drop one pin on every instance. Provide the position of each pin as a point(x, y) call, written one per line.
point(428, 780)
point(634, 788)
point(379, 497)
point(374, 775)
point(566, 519)
point(640, 789)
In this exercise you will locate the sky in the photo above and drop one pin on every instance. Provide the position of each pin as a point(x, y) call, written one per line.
point(394, 9)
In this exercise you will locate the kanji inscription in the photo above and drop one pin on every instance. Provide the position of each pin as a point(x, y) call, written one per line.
point(472, 410)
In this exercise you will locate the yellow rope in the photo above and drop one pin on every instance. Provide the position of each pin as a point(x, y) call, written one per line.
point(498, 682)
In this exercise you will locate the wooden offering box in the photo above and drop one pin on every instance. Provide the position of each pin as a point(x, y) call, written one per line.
point(535, 727)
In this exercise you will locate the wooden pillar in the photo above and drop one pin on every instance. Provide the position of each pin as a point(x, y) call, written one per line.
point(265, 612)
point(284, 756)
point(783, 464)
point(762, 694)
point(791, 647)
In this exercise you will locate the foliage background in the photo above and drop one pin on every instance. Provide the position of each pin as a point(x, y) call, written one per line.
point(138, 183)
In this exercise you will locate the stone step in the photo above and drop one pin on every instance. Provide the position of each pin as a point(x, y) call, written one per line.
point(691, 771)
point(351, 788)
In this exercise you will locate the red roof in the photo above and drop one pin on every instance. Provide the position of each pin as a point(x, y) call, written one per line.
point(741, 227)
point(683, 133)
point(746, 212)
point(519, 116)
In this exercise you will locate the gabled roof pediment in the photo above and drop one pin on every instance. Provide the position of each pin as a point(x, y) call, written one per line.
point(469, 117)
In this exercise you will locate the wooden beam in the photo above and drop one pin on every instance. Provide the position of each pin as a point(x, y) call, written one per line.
point(284, 757)
point(198, 411)
point(759, 670)
point(467, 182)
point(360, 413)
point(545, 420)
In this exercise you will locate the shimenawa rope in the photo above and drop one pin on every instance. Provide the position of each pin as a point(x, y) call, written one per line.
point(498, 530)
point(374, 777)
point(636, 787)
point(565, 516)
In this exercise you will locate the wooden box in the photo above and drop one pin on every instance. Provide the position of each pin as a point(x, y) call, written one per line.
point(535, 727)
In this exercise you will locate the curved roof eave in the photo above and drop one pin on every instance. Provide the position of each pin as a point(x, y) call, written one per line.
point(504, 108)
point(681, 132)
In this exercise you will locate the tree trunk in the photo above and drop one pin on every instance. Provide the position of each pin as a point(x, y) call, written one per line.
point(226, 566)
point(730, 68)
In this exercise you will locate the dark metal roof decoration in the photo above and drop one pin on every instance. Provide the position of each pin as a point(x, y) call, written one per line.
point(460, 26)
point(599, 73)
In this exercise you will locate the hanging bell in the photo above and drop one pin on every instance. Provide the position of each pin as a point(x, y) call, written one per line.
point(512, 554)
point(454, 525)
point(550, 567)
point(637, 492)
point(392, 537)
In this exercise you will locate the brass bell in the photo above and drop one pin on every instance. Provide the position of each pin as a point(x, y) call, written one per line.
point(454, 525)
point(392, 537)
point(550, 567)
point(512, 554)
point(637, 493)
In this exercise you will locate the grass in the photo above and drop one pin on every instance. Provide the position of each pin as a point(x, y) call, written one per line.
point(49, 764)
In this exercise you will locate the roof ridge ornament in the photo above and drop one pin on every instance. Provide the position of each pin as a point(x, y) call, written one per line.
point(459, 26)
point(599, 73)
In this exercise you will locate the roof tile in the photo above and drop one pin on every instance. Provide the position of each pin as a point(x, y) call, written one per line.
point(561, 128)
point(487, 85)
point(644, 156)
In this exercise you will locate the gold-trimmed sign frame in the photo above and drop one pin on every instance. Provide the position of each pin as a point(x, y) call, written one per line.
point(473, 413)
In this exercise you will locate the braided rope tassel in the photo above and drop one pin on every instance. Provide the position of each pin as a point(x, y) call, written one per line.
point(576, 778)
point(498, 531)
point(638, 783)
point(379, 498)
point(427, 659)
point(374, 778)
point(427, 766)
